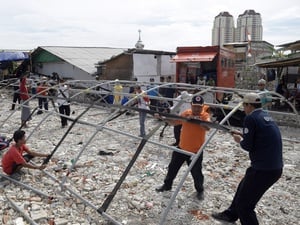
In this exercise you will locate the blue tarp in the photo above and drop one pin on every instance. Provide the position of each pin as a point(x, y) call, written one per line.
point(13, 56)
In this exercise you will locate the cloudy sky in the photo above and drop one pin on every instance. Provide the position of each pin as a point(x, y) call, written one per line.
point(164, 24)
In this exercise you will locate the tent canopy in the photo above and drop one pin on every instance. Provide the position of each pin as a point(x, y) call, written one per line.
point(13, 56)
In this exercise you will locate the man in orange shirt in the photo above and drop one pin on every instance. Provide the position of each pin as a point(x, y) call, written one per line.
point(192, 137)
point(13, 160)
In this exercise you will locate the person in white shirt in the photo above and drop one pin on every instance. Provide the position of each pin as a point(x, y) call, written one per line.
point(143, 102)
point(265, 97)
point(184, 99)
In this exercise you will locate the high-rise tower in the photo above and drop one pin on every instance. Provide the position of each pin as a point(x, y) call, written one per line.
point(249, 24)
point(223, 29)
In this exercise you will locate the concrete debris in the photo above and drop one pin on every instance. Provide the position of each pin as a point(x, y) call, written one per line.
point(37, 215)
point(19, 221)
point(61, 221)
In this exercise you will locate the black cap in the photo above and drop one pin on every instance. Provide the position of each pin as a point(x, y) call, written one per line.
point(197, 100)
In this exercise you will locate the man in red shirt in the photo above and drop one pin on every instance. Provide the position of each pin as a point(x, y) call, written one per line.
point(13, 160)
point(25, 113)
point(192, 137)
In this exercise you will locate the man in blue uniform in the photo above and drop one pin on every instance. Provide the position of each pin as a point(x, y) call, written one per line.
point(262, 139)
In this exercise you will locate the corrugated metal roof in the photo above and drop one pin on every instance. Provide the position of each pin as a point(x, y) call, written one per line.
point(280, 63)
point(84, 58)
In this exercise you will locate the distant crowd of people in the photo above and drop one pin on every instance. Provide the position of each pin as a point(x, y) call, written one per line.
point(292, 94)
point(44, 89)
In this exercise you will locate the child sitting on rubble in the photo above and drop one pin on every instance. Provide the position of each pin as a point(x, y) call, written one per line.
point(13, 160)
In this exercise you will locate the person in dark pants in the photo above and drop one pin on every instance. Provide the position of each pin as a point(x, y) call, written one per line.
point(16, 96)
point(63, 102)
point(42, 91)
point(191, 139)
point(142, 100)
point(152, 93)
point(170, 91)
point(261, 137)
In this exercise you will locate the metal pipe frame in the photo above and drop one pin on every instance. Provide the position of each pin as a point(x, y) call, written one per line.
point(101, 126)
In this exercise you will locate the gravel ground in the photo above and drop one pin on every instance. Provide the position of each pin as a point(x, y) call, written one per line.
point(136, 202)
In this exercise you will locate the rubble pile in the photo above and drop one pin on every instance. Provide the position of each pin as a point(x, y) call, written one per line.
point(90, 165)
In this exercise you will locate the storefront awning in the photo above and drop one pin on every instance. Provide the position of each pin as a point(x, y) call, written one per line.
point(194, 57)
point(280, 63)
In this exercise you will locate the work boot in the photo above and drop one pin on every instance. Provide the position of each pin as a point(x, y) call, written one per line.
point(174, 144)
point(163, 188)
point(200, 195)
point(223, 216)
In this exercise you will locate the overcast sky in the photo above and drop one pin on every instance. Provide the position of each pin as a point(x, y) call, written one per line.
point(165, 24)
